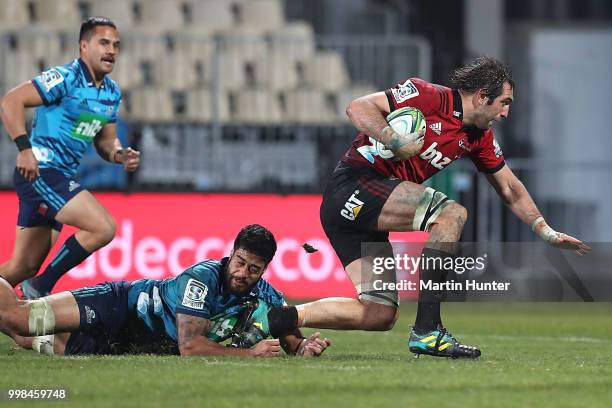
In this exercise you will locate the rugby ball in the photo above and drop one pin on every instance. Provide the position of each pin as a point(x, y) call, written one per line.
point(406, 120)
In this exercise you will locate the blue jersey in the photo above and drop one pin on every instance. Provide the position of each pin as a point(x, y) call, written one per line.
point(74, 110)
point(198, 291)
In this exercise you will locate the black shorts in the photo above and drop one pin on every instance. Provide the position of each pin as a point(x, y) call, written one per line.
point(104, 315)
point(352, 202)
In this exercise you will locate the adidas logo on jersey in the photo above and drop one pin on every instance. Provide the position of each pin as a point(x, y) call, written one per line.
point(436, 127)
point(434, 157)
point(72, 185)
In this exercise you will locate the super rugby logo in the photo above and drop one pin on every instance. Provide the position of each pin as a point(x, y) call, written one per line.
point(352, 207)
point(434, 157)
point(405, 91)
point(51, 78)
point(498, 149)
point(195, 293)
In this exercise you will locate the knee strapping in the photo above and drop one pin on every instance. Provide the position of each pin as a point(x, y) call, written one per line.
point(44, 344)
point(429, 208)
point(41, 320)
point(381, 297)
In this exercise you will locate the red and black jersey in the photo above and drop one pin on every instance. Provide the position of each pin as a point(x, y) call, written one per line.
point(446, 138)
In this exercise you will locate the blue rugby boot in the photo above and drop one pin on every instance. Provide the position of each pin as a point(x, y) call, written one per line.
point(29, 292)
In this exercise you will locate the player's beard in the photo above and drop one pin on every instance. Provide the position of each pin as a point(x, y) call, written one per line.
point(244, 288)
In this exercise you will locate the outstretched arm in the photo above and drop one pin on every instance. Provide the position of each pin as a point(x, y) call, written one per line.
point(192, 341)
point(514, 194)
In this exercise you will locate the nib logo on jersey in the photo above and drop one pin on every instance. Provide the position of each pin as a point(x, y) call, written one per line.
point(352, 207)
point(434, 157)
point(87, 126)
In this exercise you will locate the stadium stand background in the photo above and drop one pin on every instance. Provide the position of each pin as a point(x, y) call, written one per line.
point(218, 94)
point(249, 95)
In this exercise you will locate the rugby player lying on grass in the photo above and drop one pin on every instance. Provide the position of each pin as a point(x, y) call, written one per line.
point(189, 314)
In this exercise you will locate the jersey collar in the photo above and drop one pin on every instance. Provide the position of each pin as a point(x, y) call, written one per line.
point(88, 77)
point(457, 105)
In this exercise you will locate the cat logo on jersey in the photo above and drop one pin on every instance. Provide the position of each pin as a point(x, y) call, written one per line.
point(352, 207)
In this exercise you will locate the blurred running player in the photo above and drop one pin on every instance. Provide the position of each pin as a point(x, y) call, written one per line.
point(77, 104)
point(376, 188)
point(189, 314)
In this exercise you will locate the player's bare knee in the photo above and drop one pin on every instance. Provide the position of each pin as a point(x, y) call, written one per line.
point(451, 219)
point(454, 213)
point(379, 317)
point(22, 341)
point(107, 230)
point(380, 307)
point(387, 318)
point(11, 324)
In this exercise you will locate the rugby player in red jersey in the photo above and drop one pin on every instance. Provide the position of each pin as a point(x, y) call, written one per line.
point(380, 178)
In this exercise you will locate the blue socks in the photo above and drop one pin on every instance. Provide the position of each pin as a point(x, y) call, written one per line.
point(70, 255)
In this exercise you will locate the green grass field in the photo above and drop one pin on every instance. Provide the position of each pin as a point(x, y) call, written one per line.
point(534, 355)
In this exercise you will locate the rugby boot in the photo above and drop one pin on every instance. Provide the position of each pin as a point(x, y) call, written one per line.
point(29, 292)
point(440, 343)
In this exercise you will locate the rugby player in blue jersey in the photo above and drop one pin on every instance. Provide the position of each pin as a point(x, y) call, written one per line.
point(189, 314)
point(77, 104)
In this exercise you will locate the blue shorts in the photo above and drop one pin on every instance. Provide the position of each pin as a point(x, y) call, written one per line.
point(41, 199)
point(108, 327)
point(104, 318)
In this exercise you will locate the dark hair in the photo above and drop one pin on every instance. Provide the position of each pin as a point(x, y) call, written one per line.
point(89, 25)
point(484, 73)
point(257, 240)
